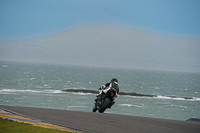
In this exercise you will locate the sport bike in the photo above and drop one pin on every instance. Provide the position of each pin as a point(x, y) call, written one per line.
point(105, 100)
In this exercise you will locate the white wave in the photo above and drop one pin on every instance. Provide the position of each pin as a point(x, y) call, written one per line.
point(6, 101)
point(52, 91)
point(44, 86)
point(166, 97)
point(196, 98)
point(177, 98)
point(4, 65)
point(47, 86)
point(8, 91)
point(76, 106)
point(130, 105)
point(163, 97)
point(32, 78)
point(183, 106)
point(15, 90)
point(81, 93)
point(134, 96)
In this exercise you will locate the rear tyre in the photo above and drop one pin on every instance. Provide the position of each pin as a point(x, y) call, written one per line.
point(105, 105)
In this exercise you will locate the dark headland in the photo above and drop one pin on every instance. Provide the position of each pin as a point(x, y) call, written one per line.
point(120, 93)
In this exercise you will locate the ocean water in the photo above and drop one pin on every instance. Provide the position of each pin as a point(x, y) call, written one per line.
point(41, 85)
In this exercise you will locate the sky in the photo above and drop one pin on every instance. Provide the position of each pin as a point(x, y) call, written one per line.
point(34, 18)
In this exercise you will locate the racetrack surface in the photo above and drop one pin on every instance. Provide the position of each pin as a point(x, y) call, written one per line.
point(106, 123)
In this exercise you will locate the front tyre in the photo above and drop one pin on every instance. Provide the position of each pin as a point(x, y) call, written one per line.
point(105, 105)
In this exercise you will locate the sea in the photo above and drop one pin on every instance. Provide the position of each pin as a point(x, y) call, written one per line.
point(41, 85)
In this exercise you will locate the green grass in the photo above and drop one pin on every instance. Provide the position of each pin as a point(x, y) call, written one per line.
point(9, 126)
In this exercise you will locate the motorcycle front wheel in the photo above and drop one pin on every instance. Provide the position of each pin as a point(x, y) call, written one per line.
point(104, 106)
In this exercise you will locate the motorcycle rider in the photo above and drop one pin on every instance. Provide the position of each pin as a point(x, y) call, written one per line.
point(113, 83)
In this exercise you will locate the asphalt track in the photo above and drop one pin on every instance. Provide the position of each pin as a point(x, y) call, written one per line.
point(106, 123)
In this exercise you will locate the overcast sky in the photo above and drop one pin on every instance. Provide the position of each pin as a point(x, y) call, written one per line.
point(32, 18)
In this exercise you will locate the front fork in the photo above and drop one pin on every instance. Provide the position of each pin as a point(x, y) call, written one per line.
point(96, 104)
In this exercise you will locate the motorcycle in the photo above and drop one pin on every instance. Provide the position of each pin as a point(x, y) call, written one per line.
point(105, 100)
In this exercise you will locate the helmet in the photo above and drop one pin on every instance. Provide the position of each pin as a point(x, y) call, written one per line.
point(114, 80)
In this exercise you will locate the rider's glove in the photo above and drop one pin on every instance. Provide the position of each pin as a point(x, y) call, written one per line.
point(103, 87)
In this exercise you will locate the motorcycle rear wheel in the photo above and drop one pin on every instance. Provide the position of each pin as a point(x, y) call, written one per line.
point(104, 106)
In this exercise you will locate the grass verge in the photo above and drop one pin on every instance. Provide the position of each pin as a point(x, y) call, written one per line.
point(9, 126)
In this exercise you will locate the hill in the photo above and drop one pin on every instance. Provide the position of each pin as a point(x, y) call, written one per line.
point(109, 45)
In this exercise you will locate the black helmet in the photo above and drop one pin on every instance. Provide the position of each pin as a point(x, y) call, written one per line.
point(114, 80)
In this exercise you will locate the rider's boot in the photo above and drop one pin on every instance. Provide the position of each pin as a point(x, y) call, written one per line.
point(94, 109)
